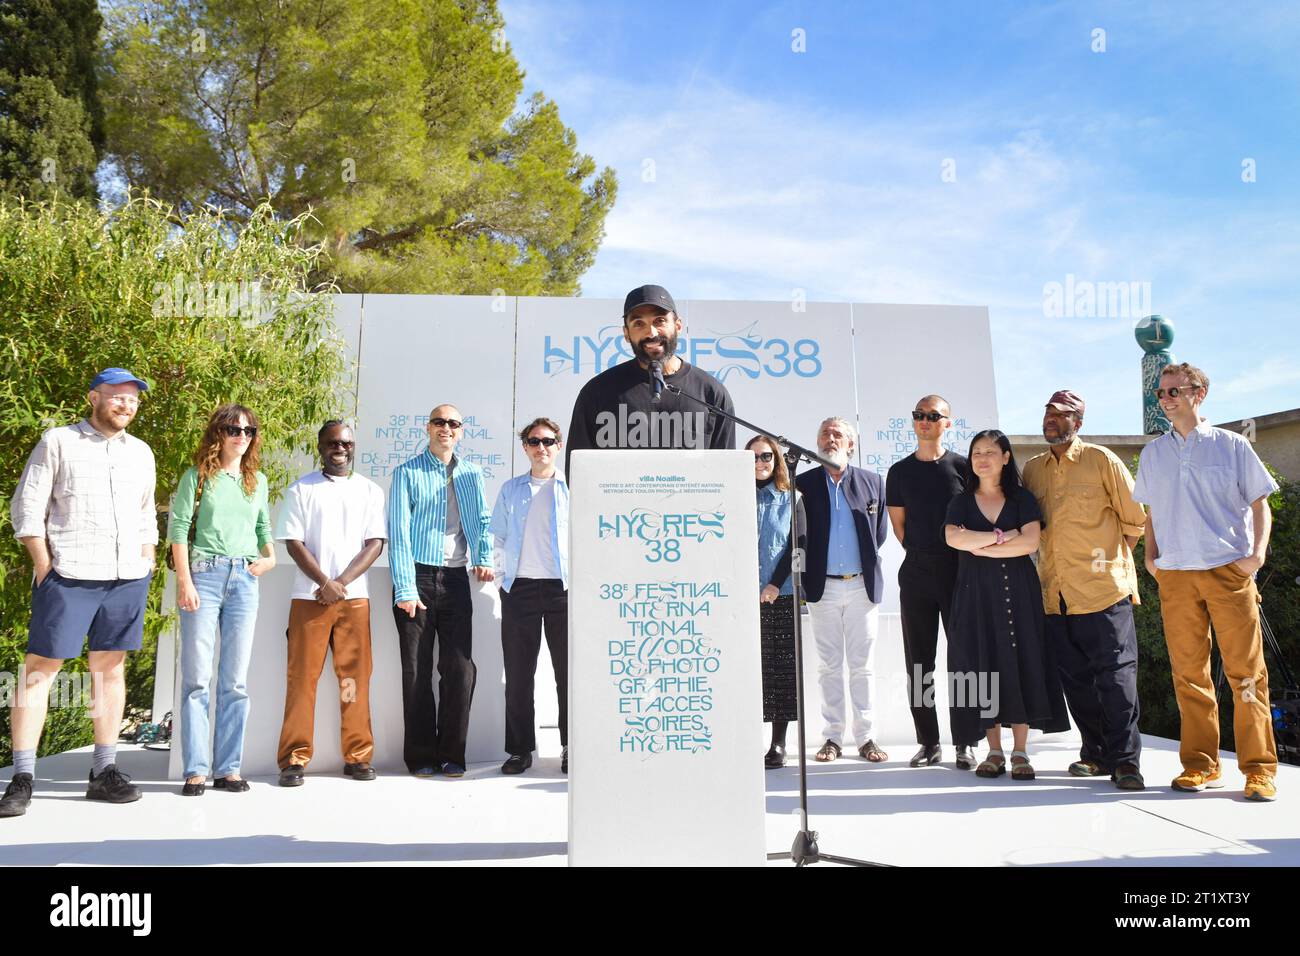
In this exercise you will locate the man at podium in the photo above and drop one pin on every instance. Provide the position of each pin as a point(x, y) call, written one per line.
point(630, 406)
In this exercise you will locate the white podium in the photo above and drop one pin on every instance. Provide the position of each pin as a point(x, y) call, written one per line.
point(665, 686)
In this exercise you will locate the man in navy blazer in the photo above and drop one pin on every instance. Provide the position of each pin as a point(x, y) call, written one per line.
point(844, 584)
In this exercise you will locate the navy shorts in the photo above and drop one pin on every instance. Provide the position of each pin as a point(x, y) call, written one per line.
point(66, 611)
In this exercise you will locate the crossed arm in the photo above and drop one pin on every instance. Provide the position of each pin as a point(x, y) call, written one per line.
point(984, 544)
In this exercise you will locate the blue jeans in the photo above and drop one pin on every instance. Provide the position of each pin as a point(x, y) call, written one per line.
point(227, 603)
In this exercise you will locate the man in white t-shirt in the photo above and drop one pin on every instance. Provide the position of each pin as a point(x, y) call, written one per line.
point(530, 531)
point(332, 523)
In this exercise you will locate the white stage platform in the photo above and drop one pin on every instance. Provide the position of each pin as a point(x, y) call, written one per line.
point(889, 813)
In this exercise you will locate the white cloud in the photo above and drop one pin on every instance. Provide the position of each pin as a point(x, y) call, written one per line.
point(753, 196)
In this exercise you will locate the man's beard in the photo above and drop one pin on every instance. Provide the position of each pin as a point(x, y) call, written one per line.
point(839, 456)
point(101, 419)
point(1061, 438)
point(331, 468)
point(670, 346)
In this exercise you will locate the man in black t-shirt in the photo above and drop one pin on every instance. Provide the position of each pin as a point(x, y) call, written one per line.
point(917, 492)
point(623, 407)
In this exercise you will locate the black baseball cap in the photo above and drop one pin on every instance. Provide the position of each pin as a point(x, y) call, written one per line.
point(648, 295)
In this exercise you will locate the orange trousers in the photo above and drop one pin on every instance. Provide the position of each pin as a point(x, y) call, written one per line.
point(344, 628)
point(1190, 602)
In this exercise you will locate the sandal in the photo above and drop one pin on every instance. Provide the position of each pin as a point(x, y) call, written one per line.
point(869, 751)
point(830, 751)
point(994, 765)
point(1086, 768)
point(1021, 768)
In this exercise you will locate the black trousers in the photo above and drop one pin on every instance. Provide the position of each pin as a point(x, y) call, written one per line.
point(1096, 655)
point(530, 605)
point(437, 734)
point(925, 586)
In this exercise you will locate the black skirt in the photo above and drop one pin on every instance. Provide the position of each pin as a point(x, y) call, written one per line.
point(776, 628)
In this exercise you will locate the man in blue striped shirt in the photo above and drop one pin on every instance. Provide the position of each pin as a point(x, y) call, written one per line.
point(438, 520)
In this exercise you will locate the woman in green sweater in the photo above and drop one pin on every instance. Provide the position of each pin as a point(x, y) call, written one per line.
point(220, 548)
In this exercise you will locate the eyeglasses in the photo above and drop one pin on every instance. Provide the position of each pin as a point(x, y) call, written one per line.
point(448, 422)
point(339, 443)
point(234, 431)
point(763, 456)
point(1175, 391)
point(534, 442)
point(130, 401)
point(918, 416)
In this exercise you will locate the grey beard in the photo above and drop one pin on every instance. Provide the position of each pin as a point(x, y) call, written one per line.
point(1060, 439)
point(840, 457)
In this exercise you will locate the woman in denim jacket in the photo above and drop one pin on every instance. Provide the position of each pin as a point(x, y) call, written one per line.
point(776, 609)
point(220, 549)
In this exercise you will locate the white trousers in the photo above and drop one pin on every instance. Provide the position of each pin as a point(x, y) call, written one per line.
point(844, 625)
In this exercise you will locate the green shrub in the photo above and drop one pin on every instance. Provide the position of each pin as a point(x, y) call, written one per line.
point(82, 289)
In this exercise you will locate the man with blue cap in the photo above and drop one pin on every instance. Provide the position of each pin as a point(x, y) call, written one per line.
point(84, 509)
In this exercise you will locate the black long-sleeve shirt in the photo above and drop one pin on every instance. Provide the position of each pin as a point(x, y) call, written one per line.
point(616, 409)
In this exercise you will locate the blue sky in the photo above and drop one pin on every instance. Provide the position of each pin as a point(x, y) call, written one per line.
point(957, 153)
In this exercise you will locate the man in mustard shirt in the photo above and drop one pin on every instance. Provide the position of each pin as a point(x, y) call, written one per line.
point(1085, 563)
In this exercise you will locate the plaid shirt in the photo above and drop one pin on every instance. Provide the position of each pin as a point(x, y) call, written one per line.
point(91, 498)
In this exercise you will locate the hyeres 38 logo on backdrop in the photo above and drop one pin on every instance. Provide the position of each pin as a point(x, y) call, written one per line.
point(744, 352)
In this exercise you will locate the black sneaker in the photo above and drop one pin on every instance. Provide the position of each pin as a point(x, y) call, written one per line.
point(292, 775)
point(17, 796)
point(517, 763)
point(564, 760)
point(112, 786)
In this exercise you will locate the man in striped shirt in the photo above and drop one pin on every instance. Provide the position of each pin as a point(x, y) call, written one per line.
point(438, 520)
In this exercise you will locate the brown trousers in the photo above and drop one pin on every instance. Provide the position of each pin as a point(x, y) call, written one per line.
point(1190, 602)
point(343, 627)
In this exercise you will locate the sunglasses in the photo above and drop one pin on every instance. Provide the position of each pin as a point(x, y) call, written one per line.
point(234, 431)
point(927, 416)
point(763, 456)
point(451, 423)
point(1175, 391)
point(534, 442)
point(339, 443)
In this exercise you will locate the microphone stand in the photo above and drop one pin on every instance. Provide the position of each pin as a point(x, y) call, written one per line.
point(804, 851)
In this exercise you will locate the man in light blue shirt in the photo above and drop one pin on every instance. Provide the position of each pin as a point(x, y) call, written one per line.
point(1207, 530)
point(437, 531)
point(530, 532)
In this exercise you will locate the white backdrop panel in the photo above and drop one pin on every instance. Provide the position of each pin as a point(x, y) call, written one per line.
point(505, 361)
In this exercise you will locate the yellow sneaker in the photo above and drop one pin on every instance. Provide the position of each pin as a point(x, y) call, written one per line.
point(1260, 786)
point(1194, 781)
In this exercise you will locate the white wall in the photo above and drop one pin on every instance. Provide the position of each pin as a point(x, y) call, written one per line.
point(506, 360)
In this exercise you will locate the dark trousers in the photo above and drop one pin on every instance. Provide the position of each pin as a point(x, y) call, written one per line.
point(1096, 655)
point(925, 587)
point(530, 605)
point(437, 734)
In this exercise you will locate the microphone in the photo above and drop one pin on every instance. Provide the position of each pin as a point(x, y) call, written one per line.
point(657, 378)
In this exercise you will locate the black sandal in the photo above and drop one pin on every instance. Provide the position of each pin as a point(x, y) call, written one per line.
point(231, 784)
point(194, 789)
point(830, 751)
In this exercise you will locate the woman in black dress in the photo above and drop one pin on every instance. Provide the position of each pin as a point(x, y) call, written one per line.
point(776, 610)
point(1003, 671)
